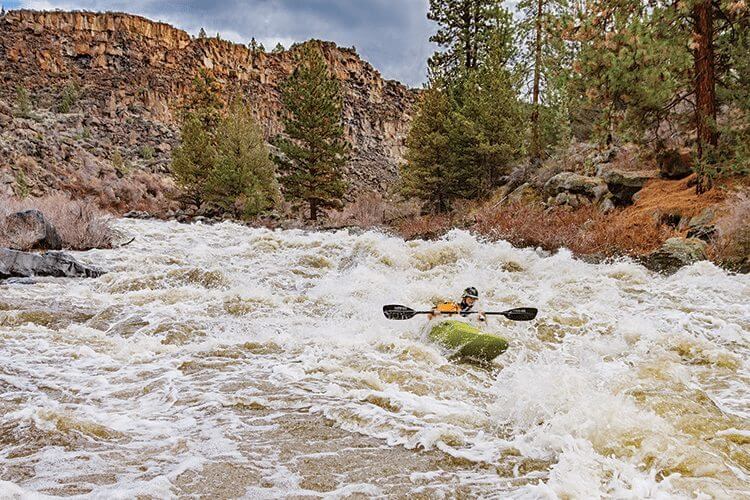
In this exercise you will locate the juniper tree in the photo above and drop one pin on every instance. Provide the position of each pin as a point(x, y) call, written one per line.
point(202, 33)
point(313, 152)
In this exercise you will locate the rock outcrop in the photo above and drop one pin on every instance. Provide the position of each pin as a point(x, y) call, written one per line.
point(16, 264)
point(569, 188)
point(31, 230)
point(676, 253)
point(131, 77)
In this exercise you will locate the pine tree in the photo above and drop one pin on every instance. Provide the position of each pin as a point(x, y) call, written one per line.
point(222, 158)
point(426, 172)
point(314, 151)
point(243, 179)
point(193, 160)
point(645, 62)
point(202, 33)
point(545, 62)
point(467, 28)
point(278, 49)
point(465, 135)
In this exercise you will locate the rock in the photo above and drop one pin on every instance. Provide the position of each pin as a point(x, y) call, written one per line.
point(675, 163)
point(624, 183)
point(675, 253)
point(138, 214)
point(593, 188)
point(523, 194)
point(29, 229)
point(15, 264)
point(700, 226)
point(606, 206)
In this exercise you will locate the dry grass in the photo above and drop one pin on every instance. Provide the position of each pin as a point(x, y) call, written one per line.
point(584, 231)
point(732, 244)
point(80, 224)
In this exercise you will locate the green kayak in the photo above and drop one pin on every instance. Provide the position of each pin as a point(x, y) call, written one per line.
point(468, 341)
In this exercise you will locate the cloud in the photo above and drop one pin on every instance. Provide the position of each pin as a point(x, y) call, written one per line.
point(391, 34)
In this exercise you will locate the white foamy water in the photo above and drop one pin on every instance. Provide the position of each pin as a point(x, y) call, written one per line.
point(231, 362)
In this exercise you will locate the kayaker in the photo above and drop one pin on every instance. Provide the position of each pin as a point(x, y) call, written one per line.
point(468, 299)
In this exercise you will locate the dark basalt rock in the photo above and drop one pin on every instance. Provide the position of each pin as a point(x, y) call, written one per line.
point(15, 264)
point(29, 229)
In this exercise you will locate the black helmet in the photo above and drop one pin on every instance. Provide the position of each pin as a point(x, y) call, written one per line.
point(470, 292)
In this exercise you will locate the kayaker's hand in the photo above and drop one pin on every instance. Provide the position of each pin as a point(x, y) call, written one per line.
point(482, 316)
point(435, 314)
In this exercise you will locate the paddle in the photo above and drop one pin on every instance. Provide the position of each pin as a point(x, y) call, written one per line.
point(394, 311)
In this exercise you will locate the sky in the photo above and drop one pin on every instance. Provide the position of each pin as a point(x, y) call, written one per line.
point(393, 35)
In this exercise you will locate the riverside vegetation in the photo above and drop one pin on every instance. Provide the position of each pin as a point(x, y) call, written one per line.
point(563, 125)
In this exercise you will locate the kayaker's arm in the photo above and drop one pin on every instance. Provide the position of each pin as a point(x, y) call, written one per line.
point(481, 316)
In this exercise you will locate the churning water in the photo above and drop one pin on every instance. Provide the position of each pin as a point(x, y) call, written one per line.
point(229, 361)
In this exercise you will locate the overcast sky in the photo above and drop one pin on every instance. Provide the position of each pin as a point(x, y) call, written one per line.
point(390, 34)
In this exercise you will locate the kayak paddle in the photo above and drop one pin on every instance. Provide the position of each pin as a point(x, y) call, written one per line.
point(394, 311)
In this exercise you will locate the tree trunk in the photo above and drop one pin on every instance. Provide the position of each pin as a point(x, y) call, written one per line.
point(466, 18)
point(705, 80)
point(313, 209)
point(536, 147)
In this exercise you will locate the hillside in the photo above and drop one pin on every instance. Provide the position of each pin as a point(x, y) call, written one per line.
point(130, 76)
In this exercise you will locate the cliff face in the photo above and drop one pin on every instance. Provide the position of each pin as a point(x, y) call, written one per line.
point(134, 74)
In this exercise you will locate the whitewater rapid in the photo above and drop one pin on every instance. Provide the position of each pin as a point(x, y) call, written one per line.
point(236, 362)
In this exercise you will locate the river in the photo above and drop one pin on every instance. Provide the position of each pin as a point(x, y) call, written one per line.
point(228, 361)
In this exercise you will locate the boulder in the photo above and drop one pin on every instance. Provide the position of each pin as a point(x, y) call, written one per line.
point(593, 188)
point(15, 264)
point(675, 163)
point(675, 253)
point(701, 226)
point(29, 229)
point(624, 183)
point(523, 194)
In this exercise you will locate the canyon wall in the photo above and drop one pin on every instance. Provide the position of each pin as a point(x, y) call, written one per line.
point(133, 75)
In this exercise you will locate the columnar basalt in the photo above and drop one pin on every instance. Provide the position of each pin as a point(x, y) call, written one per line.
point(135, 73)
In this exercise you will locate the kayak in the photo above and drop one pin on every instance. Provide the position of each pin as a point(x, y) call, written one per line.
point(468, 341)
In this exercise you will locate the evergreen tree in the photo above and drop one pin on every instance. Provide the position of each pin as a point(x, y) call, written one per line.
point(278, 49)
point(465, 135)
point(243, 179)
point(222, 158)
point(202, 33)
point(467, 29)
point(193, 160)
point(261, 48)
point(427, 174)
point(314, 151)
point(645, 61)
point(253, 45)
point(545, 61)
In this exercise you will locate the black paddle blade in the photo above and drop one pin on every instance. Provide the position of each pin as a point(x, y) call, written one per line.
point(521, 314)
point(394, 311)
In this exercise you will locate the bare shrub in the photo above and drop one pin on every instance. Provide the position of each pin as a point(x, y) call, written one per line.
point(732, 244)
point(583, 231)
point(371, 209)
point(368, 210)
point(80, 224)
point(426, 226)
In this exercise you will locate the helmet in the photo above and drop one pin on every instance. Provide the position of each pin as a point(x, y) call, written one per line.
point(471, 292)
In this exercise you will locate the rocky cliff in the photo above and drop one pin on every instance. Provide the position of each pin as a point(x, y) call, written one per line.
point(129, 76)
